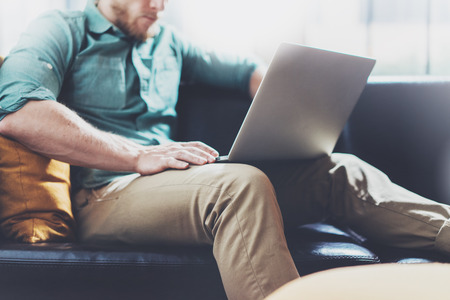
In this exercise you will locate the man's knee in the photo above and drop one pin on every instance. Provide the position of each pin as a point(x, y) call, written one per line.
point(249, 178)
point(245, 194)
point(243, 186)
point(353, 168)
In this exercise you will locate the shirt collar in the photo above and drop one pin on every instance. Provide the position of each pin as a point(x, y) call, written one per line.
point(97, 23)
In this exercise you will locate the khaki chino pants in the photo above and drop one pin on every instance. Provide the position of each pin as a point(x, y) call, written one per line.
point(240, 210)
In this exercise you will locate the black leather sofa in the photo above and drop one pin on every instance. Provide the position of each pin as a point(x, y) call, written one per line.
point(400, 125)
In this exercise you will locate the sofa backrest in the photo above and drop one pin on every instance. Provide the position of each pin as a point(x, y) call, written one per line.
point(401, 126)
point(211, 115)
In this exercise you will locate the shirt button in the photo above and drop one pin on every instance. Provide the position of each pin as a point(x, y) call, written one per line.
point(50, 66)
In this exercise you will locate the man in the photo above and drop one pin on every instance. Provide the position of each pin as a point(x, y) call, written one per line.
point(119, 70)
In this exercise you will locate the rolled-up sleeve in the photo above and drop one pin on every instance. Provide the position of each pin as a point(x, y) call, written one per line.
point(35, 68)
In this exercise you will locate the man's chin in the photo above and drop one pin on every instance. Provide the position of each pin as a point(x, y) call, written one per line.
point(143, 35)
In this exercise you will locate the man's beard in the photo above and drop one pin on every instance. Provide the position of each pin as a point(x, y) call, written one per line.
point(130, 29)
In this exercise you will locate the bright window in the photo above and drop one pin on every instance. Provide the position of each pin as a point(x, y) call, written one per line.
point(407, 37)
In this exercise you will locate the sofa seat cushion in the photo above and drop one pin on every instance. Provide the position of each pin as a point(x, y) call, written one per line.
point(320, 246)
point(308, 242)
point(83, 271)
point(87, 271)
point(162, 272)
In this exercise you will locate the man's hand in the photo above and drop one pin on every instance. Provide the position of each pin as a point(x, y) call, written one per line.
point(155, 159)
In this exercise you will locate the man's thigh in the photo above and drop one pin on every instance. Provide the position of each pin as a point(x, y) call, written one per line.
point(169, 207)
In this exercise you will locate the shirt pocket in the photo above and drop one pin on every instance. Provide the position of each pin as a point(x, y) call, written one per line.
point(99, 82)
point(167, 79)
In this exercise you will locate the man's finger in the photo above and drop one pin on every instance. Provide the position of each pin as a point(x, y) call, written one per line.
point(173, 163)
point(200, 145)
point(200, 153)
point(189, 157)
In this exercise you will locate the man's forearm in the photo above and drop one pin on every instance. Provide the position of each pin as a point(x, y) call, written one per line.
point(53, 130)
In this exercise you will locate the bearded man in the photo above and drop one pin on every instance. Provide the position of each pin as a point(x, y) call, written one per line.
point(98, 89)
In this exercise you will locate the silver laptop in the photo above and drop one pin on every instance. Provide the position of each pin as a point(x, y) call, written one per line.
point(302, 105)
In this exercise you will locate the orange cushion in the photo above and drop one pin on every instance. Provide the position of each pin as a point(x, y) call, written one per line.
point(34, 196)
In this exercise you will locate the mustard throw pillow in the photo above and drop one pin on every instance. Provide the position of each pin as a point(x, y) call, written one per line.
point(34, 196)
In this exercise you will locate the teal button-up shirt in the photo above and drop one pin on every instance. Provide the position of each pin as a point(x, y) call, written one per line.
point(114, 82)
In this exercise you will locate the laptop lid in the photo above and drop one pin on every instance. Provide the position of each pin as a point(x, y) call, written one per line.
point(302, 104)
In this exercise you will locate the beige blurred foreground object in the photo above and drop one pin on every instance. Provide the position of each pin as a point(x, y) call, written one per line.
point(380, 282)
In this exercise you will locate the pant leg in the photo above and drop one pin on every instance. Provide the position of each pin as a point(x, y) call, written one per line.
point(352, 192)
point(229, 206)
